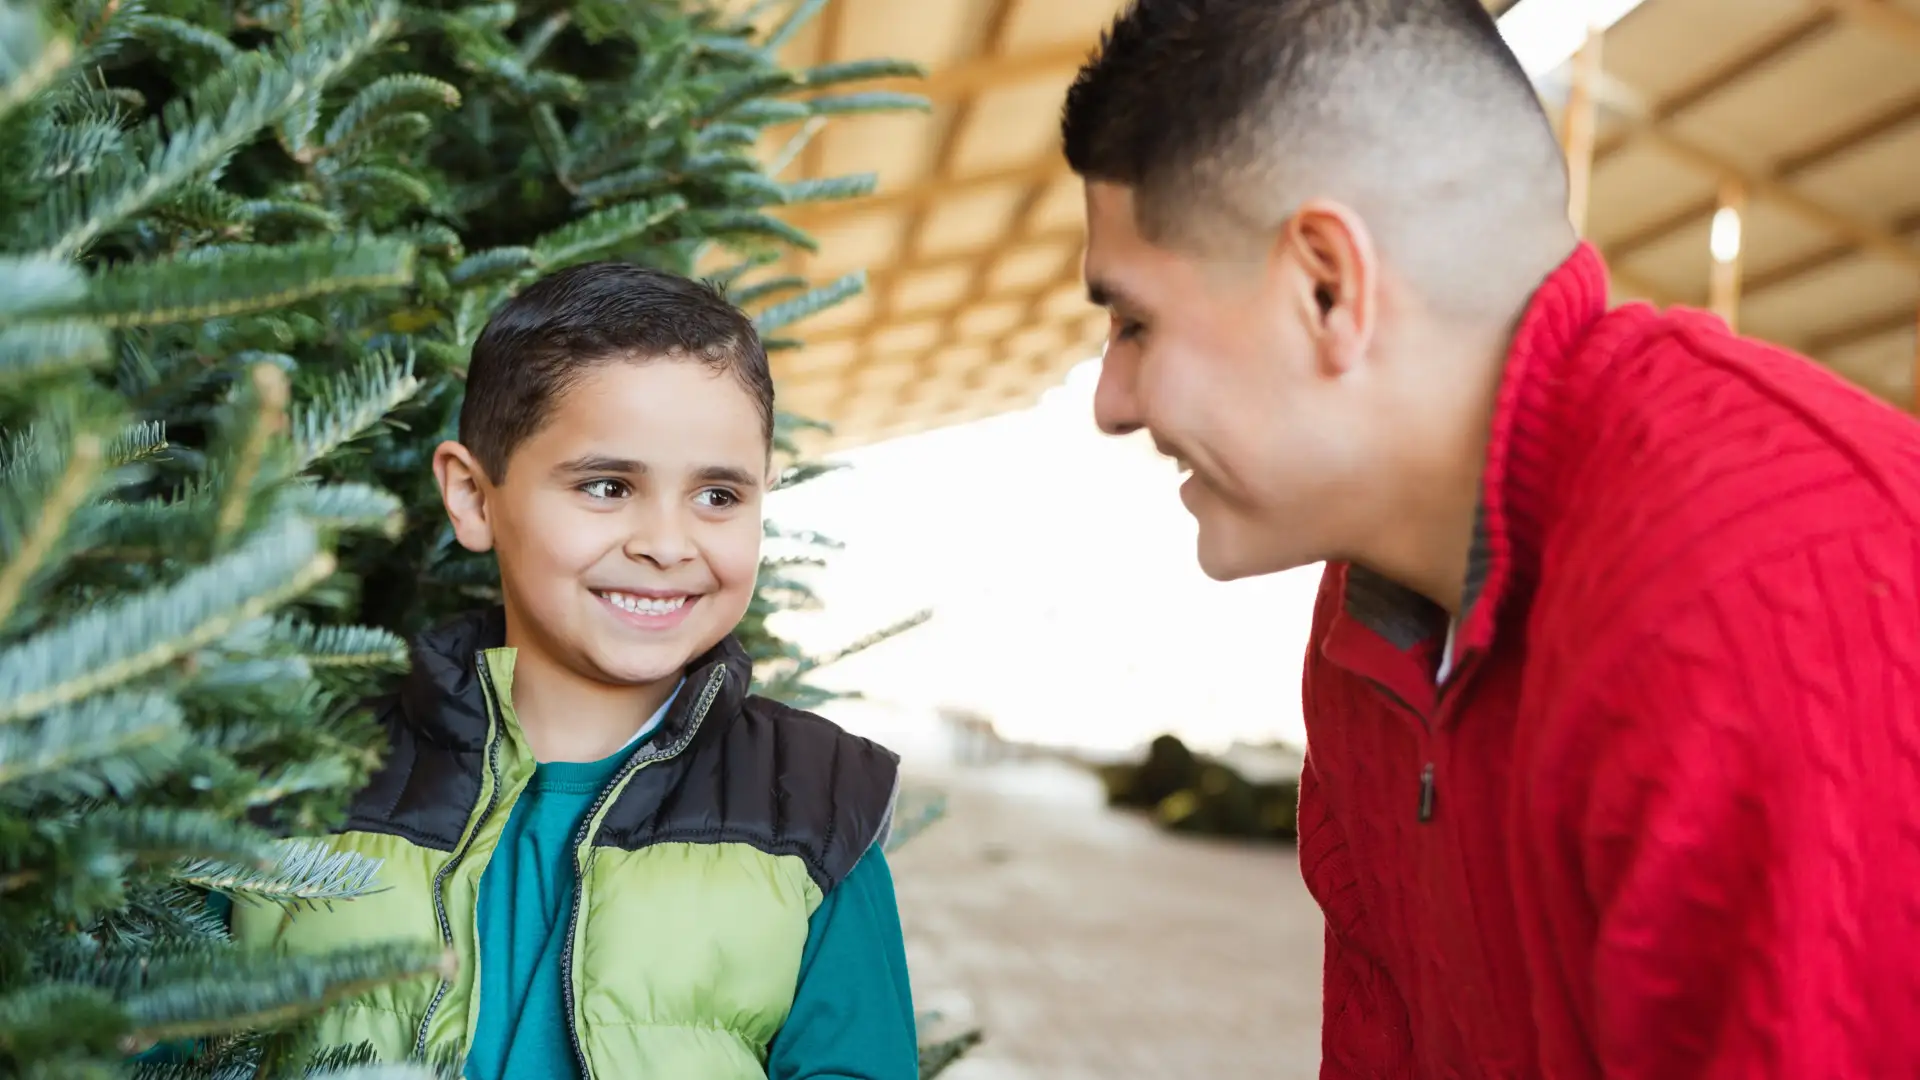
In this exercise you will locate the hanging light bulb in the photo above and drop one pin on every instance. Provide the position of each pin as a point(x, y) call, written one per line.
point(1724, 240)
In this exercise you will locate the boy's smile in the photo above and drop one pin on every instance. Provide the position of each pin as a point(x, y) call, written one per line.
point(627, 528)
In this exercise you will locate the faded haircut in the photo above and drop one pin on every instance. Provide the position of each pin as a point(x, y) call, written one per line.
point(1223, 116)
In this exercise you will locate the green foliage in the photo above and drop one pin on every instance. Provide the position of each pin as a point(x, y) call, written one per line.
point(245, 248)
point(158, 663)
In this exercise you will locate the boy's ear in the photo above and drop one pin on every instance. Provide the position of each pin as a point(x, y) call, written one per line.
point(464, 489)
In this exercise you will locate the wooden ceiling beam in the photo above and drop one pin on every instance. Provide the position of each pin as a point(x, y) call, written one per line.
point(1907, 226)
point(946, 157)
point(988, 72)
point(1886, 122)
point(1866, 329)
point(914, 196)
point(1878, 17)
point(1791, 36)
point(886, 275)
point(1857, 231)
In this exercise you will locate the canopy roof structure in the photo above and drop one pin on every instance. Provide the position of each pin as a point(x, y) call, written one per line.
point(1801, 117)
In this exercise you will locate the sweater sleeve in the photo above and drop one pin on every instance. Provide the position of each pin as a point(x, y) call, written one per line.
point(852, 1015)
point(1364, 1031)
point(1751, 838)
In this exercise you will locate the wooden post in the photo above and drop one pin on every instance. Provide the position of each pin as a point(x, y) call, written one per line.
point(1728, 251)
point(1578, 132)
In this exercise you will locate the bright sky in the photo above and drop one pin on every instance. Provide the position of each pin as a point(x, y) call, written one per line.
point(1060, 567)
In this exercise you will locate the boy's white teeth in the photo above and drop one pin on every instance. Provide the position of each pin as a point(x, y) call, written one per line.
point(642, 605)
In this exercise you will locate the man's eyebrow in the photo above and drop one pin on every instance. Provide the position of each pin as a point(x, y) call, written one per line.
point(599, 463)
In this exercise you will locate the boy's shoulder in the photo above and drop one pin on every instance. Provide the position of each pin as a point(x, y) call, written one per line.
point(780, 779)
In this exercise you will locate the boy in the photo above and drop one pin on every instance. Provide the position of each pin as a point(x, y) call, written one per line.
point(643, 870)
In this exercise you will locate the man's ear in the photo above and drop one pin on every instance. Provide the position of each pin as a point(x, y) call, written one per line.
point(464, 491)
point(1337, 273)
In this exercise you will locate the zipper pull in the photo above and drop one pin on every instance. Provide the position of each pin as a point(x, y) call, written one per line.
point(1426, 793)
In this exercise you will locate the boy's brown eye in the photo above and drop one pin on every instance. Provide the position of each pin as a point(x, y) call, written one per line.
point(604, 488)
point(719, 498)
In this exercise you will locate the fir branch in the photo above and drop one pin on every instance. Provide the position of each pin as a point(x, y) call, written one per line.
point(242, 279)
point(45, 1020)
point(19, 35)
point(269, 418)
point(33, 351)
point(867, 101)
point(88, 749)
point(290, 214)
point(265, 991)
point(810, 302)
point(826, 188)
point(384, 184)
point(591, 234)
point(208, 124)
point(744, 88)
point(35, 286)
point(348, 506)
point(349, 406)
point(49, 523)
point(386, 96)
point(722, 224)
point(761, 290)
point(163, 32)
point(796, 20)
point(768, 112)
point(364, 647)
point(307, 873)
point(166, 835)
point(117, 642)
point(848, 71)
point(494, 265)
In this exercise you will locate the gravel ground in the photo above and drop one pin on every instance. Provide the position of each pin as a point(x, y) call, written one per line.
point(1090, 945)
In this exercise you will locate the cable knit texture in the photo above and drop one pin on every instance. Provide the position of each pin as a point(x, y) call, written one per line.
point(1664, 820)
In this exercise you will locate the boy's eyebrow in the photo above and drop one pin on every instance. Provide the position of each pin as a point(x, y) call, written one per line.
point(602, 463)
point(599, 463)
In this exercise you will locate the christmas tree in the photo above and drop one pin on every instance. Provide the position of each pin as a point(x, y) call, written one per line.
point(247, 248)
point(175, 688)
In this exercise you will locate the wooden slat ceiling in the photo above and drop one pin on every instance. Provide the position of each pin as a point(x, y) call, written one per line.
point(972, 240)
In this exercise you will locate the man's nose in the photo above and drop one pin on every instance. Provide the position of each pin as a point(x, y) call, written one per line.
point(1114, 407)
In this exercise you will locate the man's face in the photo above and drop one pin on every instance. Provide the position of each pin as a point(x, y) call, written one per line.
point(628, 527)
point(1220, 361)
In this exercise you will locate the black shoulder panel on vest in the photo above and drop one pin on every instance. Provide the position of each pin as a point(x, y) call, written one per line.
point(783, 781)
point(423, 791)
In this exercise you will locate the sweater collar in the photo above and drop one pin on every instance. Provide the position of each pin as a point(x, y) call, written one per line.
point(1524, 450)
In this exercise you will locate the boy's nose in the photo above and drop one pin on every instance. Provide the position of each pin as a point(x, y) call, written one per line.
point(664, 541)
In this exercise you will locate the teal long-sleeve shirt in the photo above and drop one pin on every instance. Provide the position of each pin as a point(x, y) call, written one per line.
point(852, 1015)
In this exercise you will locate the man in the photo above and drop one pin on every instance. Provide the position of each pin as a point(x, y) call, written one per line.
point(1614, 768)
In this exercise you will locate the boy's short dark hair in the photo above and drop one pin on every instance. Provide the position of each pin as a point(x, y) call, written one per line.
point(540, 343)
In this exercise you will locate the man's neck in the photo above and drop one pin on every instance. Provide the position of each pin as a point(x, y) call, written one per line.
point(567, 718)
point(1425, 533)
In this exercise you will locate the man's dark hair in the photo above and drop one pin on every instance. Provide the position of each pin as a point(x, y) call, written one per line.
point(1223, 116)
point(540, 344)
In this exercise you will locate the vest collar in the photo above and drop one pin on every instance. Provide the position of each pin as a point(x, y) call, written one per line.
point(1381, 624)
point(443, 699)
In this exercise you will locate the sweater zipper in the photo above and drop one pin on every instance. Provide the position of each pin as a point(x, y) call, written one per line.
point(589, 826)
point(1428, 782)
point(440, 879)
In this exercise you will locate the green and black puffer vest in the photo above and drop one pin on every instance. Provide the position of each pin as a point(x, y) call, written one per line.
point(699, 864)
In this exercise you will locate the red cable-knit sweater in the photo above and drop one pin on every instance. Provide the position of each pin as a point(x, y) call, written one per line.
point(1663, 820)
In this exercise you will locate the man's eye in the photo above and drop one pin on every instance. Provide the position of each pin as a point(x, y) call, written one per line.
point(718, 498)
point(605, 489)
point(1125, 329)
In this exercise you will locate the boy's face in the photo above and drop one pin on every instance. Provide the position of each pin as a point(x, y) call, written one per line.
point(628, 527)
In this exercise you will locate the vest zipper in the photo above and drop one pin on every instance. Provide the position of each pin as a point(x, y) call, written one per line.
point(1426, 793)
point(589, 825)
point(494, 733)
